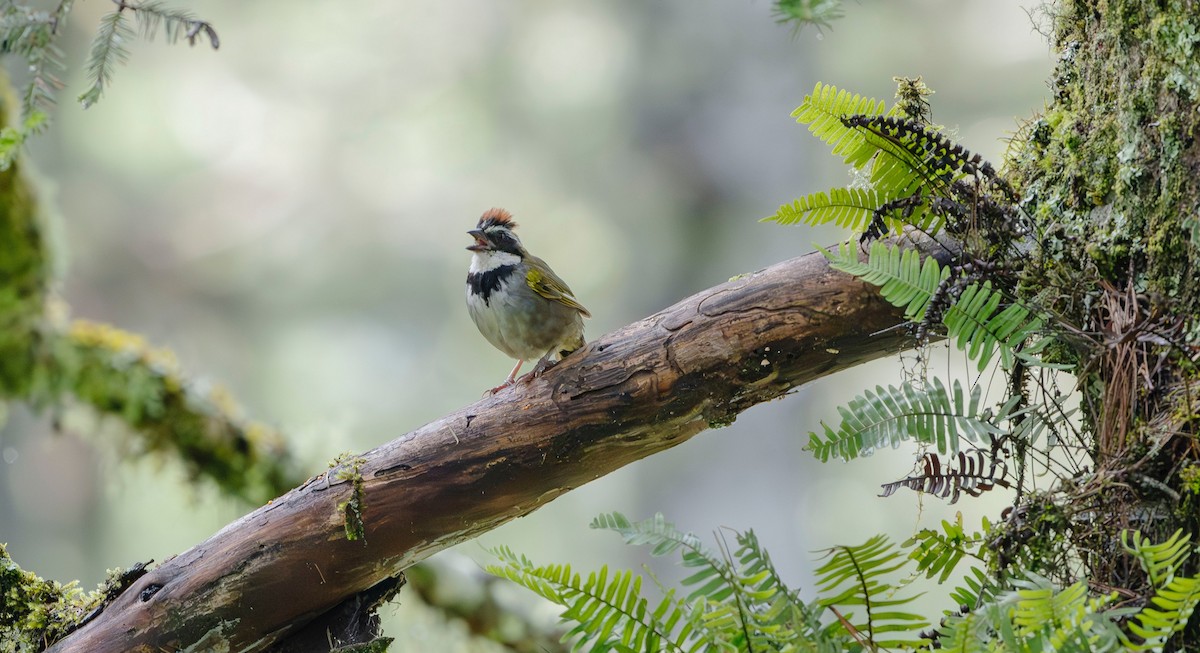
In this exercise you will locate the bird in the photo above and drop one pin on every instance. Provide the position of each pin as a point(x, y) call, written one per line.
point(519, 304)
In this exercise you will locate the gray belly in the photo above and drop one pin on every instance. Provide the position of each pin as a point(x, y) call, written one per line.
point(526, 326)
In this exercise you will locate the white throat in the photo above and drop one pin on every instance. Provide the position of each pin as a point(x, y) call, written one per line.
point(490, 260)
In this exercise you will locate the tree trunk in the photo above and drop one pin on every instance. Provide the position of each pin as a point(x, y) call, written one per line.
point(1111, 174)
point(640, 390)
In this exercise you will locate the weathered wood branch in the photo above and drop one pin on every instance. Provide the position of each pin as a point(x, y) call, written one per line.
point(637, 391)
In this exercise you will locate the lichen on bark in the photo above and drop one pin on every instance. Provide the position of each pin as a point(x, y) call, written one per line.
point(1110, 172)
point(1110, 168)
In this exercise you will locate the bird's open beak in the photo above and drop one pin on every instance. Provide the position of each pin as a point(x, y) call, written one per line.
point(481, 242)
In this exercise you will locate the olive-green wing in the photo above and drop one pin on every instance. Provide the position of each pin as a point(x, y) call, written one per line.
point(543, 281)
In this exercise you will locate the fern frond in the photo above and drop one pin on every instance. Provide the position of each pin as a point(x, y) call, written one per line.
point(973, 475)
point(938, 554)
point(903, 159)
point(108, 49)
point(1160, 561)
point(914, 210)
point(894, 169)
point(715, 581)
point(974, 326)
point(903, 279)
point(1061, 619)
point(1169, 611)
point(1066, 619)
point(714, 577)
point(1036, 420)
point(739, 600)
point(974, 323)
point(968, 633)
point(776, 609)
point(851, 208)
point(1035, 617)
point(1176, 597)
point(857, 577)
point(30, 34)
point(924, 150)
point(823, 110)
point(907, 159)
point(977, 588)
point(609, 613)
point(888, 416)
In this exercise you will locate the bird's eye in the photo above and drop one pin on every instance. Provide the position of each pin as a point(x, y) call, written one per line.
point(502, 236)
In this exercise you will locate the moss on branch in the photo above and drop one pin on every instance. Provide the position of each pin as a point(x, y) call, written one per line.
point(119, 374)
point(47, 362)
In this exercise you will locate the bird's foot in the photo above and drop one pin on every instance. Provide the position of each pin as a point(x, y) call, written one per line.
point(512, 377)
point(538, 370)
point(497, 389)
point(507, 383)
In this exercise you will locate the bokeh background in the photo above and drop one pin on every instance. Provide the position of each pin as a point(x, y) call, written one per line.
point(288, 213)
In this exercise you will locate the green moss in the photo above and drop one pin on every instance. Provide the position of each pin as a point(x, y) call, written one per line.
point(35, 613)
point(24, 269)
point(120, 374)
point(1189, 478)
point(911, 94)
point(1110, 166)
point(42, 361)
point(1036, 541)
point(377, 645)
point(348, 468)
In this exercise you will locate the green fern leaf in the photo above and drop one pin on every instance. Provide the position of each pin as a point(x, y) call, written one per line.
point(903, 279)
point(609, 613)
point(968, 633)
point(899, 169)
point(1160, 561)
point(938, 553)
point(975, 327)
point(154, 16)
point(894, 167)
point(737, 600)
point(1035, 617)
point(977, 588)
point(1169, 611)
point(1176, 598)
point(714, 579)
point(31, 34)
point(888, 416)
point(894, 171)
point(858, 577)
point(823, 111)
point(851, 208)
point(776, 608)
point(973, 323)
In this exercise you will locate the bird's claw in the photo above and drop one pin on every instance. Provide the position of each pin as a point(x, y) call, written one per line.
point(524, 379)
point(507, 383)
point(539, 369)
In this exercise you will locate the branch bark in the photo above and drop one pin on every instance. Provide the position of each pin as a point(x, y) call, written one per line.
point(637, 391)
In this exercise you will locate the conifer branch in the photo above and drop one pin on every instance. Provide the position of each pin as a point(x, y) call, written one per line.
point(108, 49)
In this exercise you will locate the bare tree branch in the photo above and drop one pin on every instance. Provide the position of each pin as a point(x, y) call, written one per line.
point(637, 391)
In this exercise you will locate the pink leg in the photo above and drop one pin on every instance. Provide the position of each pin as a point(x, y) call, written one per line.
point(512, 377)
